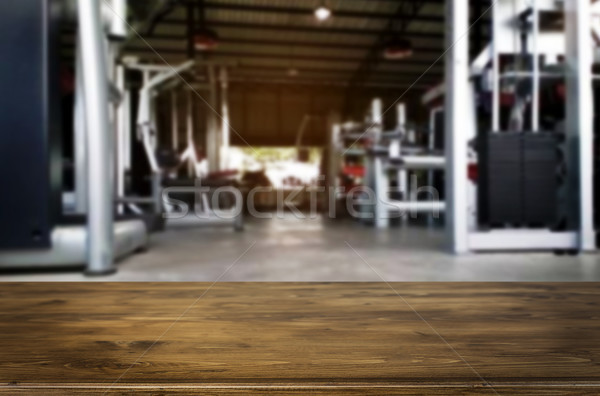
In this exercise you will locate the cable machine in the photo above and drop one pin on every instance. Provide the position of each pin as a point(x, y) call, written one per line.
point(516, 65)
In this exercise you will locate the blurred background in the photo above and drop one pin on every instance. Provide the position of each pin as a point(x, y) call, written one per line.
point(297, 140)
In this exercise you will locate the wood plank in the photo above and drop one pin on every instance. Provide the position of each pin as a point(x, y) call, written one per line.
point(300, 338)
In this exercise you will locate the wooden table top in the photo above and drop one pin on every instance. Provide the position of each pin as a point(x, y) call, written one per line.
point(300, 338)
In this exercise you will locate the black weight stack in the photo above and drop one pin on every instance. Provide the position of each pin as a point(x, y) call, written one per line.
point(540, 184)
point(517, 184)
point(500, 192)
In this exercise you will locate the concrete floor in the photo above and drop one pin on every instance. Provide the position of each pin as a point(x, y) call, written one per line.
point(291, 249)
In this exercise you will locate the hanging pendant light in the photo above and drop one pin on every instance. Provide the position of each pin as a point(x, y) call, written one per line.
point(206, 39)
point(322, 12)
point(397, 48)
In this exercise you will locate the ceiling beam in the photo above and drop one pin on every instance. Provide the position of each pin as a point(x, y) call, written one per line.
point(317, 58)
point(296, 43)
point(319, 70)
point(288, 28)
point(180, 54)
point(316, 44)
point(310, 11)
point(337, 83)
point(301, 28)
point(244, 54)
point(396, 78)
point(325, 70)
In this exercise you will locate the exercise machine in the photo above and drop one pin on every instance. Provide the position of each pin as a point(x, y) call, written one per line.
point(39, 227)
point(380, 162)
point(532, 44)
point(397, 152)
point(194, 199)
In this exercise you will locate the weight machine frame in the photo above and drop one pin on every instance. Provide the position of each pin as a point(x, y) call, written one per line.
point(579, 134)
point(103, 240)
point(155, 77)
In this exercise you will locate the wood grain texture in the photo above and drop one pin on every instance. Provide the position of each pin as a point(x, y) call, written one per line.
point(300, 338)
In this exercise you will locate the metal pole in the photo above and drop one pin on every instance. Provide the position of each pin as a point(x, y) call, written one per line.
point(401, 113)
point(579, 122)
point(145, 122)
point(431, 145)
point(402, 174)
point(79, 125)
point(100, 208)
point(224, 157)
point(414, 206)
point(111, 52)
point(121, 124)
point(333, 157)
point(212, 138)
point(191, 146)
point(381, 177)
point(174, 121)
point(377, 113)
point(126, 143)
point(416, 162)
point(153, 123)
point(457, 97)
point(495, 66)
point(535, 97)
point(381, 194)
point(118, 26)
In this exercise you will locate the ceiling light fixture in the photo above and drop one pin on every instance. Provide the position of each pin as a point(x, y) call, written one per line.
point(397, 48)
point(322, 12)
point(206, 40)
